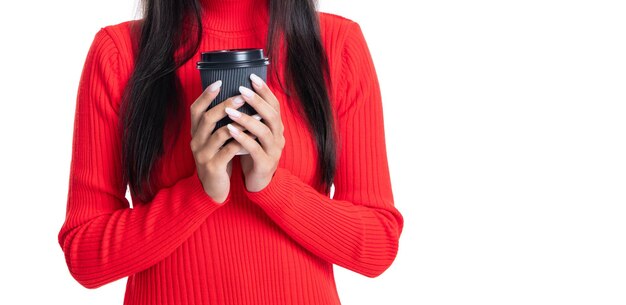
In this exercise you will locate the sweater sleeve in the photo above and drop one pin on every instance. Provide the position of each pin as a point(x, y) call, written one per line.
point(103, 238)
point(359, 228)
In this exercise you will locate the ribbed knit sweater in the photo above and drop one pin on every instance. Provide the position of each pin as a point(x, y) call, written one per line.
point(274, 246)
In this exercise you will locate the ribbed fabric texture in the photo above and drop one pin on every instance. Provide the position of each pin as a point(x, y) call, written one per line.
point(275, 246)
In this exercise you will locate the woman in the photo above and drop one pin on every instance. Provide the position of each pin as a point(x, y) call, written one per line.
point(207, 226)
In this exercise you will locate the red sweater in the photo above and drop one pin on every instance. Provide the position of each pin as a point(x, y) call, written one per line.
point(275, 246)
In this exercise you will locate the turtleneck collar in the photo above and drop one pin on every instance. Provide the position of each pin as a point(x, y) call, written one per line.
point(235, 15)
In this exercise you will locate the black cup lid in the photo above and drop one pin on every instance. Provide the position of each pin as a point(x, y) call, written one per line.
point(232, 57)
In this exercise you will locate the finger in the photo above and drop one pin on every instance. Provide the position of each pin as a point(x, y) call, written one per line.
point(226, 153)
point(256, 117)
point(243, 128)
point(251, 124)
point(198, 107)
point(218, 138)
point(252, 146)
point(216, 113)
point(234, 101)
point(270, 115)
point(261, 88)
point(210, 118)
point(215, 141)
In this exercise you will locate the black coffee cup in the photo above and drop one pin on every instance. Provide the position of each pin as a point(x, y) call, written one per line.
point(233, 67)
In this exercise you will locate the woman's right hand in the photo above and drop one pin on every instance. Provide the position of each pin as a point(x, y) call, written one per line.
point(214, 164)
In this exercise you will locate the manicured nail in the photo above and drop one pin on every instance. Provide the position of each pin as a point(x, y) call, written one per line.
point(257, 117)
point(232, 112)
point(245, 91)
point(238, 100)
point(256, 80)
point(216, 85)
point(232, 129)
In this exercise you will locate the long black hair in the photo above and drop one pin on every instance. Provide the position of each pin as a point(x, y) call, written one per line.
point(152, 95)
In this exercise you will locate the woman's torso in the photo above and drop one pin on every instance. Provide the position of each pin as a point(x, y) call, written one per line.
point(239, 255)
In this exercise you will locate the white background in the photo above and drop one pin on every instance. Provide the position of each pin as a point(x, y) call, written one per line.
point(506, 135)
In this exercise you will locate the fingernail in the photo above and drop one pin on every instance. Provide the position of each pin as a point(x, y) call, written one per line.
point(216, 85)
point(232, 129)
point(245, 91)
point(257, 117)
point(256, 80)
point(232, 112)
point(238, 100)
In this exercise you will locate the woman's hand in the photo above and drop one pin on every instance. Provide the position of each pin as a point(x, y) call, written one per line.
point(259, 166)
point(214, 164)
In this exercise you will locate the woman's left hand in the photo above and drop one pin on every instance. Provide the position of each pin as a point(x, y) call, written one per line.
point(259, 166)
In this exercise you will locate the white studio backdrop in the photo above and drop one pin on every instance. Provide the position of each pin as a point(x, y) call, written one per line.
point(506, 135)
